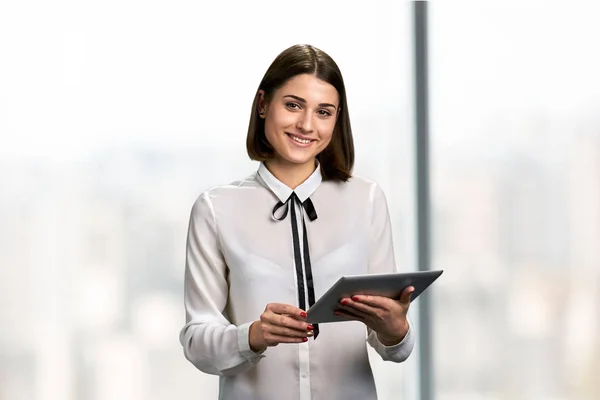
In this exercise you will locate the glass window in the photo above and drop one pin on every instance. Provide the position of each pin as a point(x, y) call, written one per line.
point(113, 118)
point(515, 134)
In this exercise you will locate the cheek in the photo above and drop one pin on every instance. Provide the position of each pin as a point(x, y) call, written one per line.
point(276, 124)
point(279, 120)
point(326, 132)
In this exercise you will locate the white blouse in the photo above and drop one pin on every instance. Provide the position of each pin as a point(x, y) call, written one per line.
point(240, 257)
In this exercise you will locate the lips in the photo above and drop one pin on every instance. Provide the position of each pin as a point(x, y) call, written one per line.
point(299, 139)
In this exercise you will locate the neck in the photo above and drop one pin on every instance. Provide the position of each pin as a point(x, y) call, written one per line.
point(292, 175)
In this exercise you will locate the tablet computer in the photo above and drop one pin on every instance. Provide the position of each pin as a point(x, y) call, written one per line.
point(387, 285)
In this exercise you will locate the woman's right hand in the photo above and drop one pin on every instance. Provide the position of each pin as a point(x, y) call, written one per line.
point(279, 323)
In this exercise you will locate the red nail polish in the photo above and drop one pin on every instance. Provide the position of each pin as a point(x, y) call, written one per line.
point(303, 314)
point(354, 298)
point(305, 339)
point(344, 301)
point(310, 327)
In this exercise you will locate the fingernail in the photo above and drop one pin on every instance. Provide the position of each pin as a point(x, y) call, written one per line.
point(336, 313)
point(304, 339)
point(354, 298)
point(310, 327)
point(303, 314)
point(310, 333)
point(344, 301)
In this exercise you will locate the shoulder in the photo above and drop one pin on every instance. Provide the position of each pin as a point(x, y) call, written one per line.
point(364, 183)
point(205, 201)
point(360, 186)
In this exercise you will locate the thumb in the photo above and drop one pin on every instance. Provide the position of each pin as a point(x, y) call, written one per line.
point(406, 293)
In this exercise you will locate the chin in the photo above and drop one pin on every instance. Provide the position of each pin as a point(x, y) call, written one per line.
point(299, 160)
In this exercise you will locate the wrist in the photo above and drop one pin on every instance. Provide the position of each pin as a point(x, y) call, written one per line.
point(255, 338)
point(389, 341)
point(394, 339)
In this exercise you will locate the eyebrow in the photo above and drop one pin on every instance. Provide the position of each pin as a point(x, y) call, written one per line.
point(300, 99)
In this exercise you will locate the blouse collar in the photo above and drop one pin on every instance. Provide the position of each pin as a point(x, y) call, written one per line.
point(283, 192)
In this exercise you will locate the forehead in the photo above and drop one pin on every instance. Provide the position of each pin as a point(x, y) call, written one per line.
point(310, 88)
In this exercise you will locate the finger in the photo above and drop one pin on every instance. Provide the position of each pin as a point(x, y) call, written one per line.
point(273, 340)
point(288, 332)
point(348, 315)
point(285, 321)
point(406, 294)
point(279, 308)
point(355, 311)
point(374, 302)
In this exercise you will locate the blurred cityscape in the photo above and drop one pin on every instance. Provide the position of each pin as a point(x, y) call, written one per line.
point(92, 259)
point(518, 233)
point(109, 135)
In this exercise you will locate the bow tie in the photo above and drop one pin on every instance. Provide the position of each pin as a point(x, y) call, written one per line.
point(300, 272)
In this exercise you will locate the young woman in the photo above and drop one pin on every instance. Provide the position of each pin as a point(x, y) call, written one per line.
point(260, 251)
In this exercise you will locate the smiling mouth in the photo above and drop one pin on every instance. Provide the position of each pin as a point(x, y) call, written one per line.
point(299, 139)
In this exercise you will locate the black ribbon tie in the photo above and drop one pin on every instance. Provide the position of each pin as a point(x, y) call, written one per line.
point(309, 208)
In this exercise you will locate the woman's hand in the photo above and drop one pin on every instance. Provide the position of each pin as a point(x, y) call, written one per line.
point(279, 323)
point(383, 315)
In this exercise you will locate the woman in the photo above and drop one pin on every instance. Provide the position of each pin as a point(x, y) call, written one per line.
point(261, 250)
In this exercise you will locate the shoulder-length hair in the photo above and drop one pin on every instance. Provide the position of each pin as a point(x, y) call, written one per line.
point(337, 159)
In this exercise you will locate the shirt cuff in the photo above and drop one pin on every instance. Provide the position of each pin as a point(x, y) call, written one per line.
point(244, 344)
point(398, 352)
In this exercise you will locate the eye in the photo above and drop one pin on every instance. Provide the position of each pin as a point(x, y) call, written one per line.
point(324, 113)
point(292, 105)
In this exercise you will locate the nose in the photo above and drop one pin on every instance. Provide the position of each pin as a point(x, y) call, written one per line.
point(304, 123)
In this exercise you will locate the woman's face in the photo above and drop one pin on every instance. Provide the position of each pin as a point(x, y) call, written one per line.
point(299, 118)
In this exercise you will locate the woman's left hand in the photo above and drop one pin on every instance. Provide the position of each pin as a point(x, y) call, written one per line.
point(383, 315)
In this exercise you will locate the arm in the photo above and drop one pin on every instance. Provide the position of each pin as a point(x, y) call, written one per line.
point(209, 340)
point(382, 260)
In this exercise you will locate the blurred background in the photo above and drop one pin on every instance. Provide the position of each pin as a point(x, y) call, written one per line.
point(116, 115)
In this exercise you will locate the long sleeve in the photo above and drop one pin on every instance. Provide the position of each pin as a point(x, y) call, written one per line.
point(210, 341)
point(382, 260)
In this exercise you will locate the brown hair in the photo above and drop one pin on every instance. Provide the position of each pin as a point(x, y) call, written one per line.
point(337, 159)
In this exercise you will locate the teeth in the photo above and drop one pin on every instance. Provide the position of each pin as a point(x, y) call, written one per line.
point(297, 139)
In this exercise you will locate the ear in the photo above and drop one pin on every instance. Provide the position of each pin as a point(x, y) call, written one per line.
point(262, 103)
